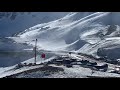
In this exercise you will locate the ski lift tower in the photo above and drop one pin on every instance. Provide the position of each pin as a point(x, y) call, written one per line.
point(35, 50)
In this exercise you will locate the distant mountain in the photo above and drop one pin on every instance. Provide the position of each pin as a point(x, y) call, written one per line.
point(14, 22)
point(11, 15)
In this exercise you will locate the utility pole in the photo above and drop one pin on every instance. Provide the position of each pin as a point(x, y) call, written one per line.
point(35, 49)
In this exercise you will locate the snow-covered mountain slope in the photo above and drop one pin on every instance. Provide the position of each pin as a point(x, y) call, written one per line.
point(11, 15)
point(108, 45)
point(15, 22)
point(75, 33)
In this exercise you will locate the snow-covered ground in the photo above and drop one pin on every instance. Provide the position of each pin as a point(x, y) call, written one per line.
point(74, 72)
point(7, 71)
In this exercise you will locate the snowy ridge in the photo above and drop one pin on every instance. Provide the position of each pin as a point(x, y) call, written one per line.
point(58, 35)
point(73, 33)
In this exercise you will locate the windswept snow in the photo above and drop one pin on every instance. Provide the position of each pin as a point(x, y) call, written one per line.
point(61, 33)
